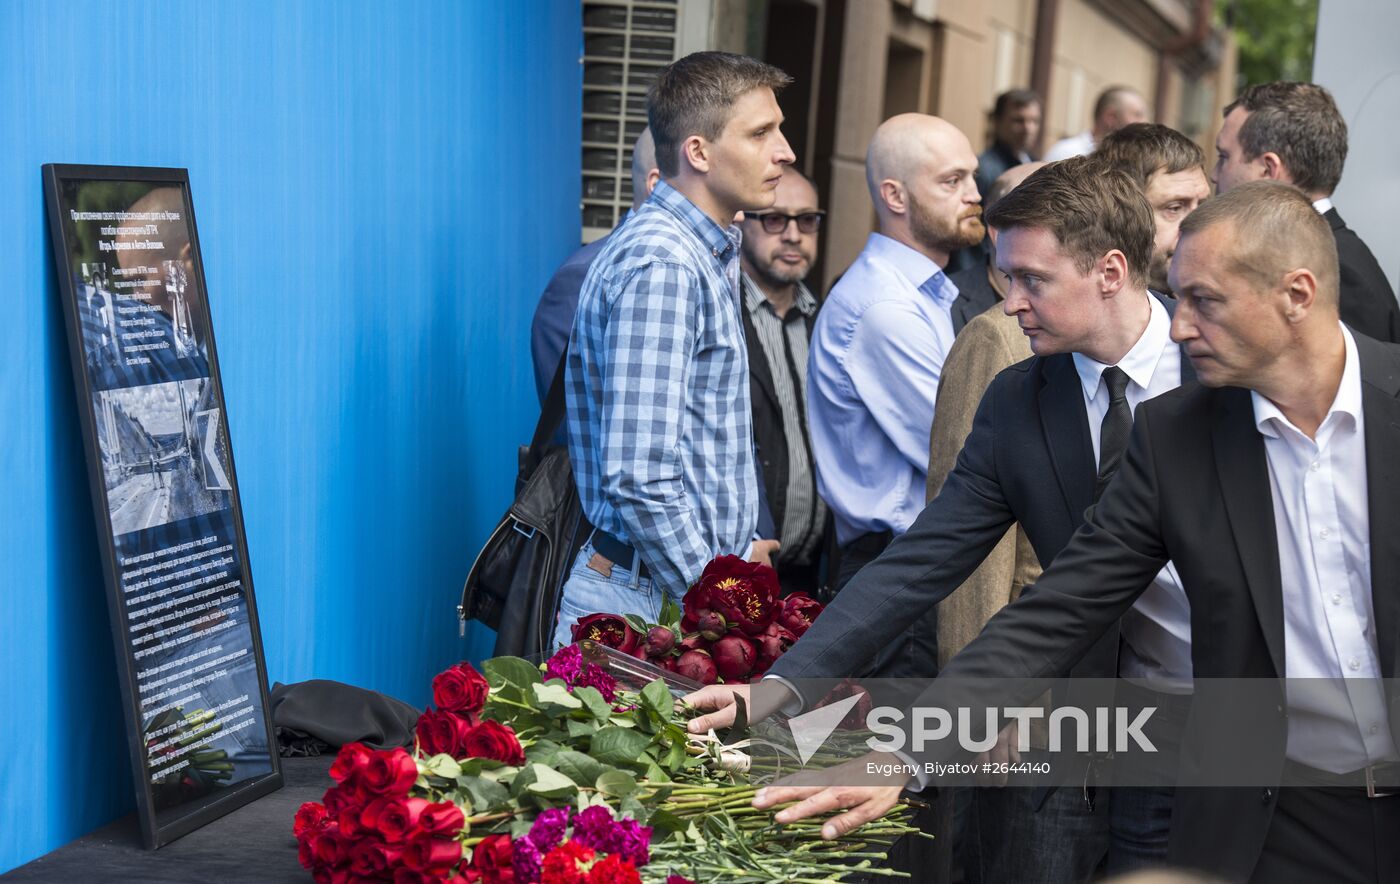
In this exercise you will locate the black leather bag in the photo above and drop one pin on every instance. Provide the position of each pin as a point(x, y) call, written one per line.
point(515, 582)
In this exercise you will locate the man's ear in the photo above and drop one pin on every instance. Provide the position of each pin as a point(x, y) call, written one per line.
point(1274, 169)
point(1113, 273)
point(1301, 288)
point(652, 177)
point(893, 195)
point(695, 151)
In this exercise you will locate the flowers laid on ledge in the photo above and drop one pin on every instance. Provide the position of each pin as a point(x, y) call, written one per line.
point(559, 774)
point(731, 627)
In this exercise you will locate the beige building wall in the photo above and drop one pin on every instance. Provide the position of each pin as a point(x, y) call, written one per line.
point(1092, 52)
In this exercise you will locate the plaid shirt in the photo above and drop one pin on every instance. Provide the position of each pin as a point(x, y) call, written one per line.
point(660, 432)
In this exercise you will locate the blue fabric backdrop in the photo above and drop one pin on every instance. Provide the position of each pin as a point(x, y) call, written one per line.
point(382, 190)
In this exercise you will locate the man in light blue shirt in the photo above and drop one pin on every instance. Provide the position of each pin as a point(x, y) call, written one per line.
point(880, 339)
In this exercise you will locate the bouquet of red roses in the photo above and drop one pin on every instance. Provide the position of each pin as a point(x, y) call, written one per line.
point(731, 626)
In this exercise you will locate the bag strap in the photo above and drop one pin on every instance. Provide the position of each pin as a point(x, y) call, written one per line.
point(551, 413)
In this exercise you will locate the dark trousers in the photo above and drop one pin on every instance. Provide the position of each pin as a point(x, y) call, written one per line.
point(1331, 834)
point(915, 654)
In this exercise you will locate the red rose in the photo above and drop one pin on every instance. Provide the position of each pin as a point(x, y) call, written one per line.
point(460, 689)
point(352, 759)
point(492, 860)
point(491, 739)
point(698, 666)
point(614, 870)
point(607, 629)
point(772, 644)
point(329, 848)
point(442, 733)
point(390, 772)
point(561, 865)
point(432, 856)
point(404, 875)
point(311, 817)
point(734, 657)
point(799, 610)
point(745, 593)
point(370, 859)
point(393, 818)
point(445, 819)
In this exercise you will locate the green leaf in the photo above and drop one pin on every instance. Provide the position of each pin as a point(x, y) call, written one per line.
point(617, 784)
point(511, 670)
point(638, 625)
point(580, 729)
point(555, 695)
point(551, 783)
point(665, 822)
point(616, 745)
point(578, 767)
point(657, 697)
point(486, 794)
point(671, 613)
point(600, 709)
point(444, 766)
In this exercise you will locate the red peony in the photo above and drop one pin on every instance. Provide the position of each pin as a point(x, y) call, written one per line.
point(698, 666)
point(799, 610)
point(695, 642)
point(561, 865)
point(393, 819)
point(734, 657)
point(745, 593)
point(772, 644)
point(491, 739)
point(492, 860)
point(391, 772)
point(660, 641)
point(695, 602)
point(460, 689)
point(607, 629)
point(711, 626)
point(442, 733)
point(614, 870)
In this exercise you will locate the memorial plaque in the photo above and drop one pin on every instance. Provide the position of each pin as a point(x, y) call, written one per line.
point(169, 523)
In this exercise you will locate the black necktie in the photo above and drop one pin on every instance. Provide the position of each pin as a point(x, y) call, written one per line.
point(1117, 426)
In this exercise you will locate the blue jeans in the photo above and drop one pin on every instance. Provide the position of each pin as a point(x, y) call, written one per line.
point(587, 591)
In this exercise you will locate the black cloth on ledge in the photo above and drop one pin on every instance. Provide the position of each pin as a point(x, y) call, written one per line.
point(316, 716)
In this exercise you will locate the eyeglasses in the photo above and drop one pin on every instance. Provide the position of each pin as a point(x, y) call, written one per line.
point(777, 222)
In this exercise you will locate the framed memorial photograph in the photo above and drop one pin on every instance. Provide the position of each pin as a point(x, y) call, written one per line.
point(165, 494)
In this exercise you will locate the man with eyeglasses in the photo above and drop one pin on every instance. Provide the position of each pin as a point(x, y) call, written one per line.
point(779, 248)
point(879, 344)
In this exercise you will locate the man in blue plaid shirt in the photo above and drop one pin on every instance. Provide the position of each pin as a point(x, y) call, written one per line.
point(660, 429)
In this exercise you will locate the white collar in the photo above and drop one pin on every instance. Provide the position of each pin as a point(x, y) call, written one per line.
point(1140, 362)
point(1323, 205)
point(1268, 417)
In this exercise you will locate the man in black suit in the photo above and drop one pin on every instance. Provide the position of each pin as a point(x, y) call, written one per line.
point(1293, 132)
point(1274, 490)
point(1076, 238)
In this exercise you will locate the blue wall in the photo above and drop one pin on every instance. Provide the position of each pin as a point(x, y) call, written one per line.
point(382, 190)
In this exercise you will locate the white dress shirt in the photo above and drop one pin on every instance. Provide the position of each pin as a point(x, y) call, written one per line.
point(1074, 146)
point(1324, 550)
point(1157, 629)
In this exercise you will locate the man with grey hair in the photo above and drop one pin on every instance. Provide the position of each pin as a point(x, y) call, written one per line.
point(656, 378)
point(1293, 132)
point(554, 317)
point(1116, 107)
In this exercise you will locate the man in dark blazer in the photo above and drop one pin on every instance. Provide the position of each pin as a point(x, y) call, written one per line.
point(554, 315)
point(1274, 490)
point(1293, 132)
point(1076, 238)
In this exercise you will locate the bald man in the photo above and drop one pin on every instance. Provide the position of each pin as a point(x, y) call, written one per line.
point(879, 343)
point(554, 317)
point(1116, 107)
point(779, 311)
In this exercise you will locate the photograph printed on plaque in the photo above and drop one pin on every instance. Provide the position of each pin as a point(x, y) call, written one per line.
point(165, 493)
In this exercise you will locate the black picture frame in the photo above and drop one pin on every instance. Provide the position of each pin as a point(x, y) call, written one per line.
point(162, 818)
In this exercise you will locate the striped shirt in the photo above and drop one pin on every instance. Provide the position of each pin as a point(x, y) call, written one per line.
point(657, 391)
point(784, 345)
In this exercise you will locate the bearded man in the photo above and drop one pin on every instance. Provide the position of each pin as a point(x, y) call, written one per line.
point(881, 337)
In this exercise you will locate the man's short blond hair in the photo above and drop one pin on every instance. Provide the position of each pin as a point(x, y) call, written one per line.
point(1277, 231)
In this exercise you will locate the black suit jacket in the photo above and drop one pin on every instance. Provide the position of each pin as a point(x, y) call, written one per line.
point(1194, 488)
point(975, 294)
point(1367, 301)
point(1028, 459)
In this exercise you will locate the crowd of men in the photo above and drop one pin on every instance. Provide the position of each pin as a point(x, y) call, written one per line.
point(1172, 411)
